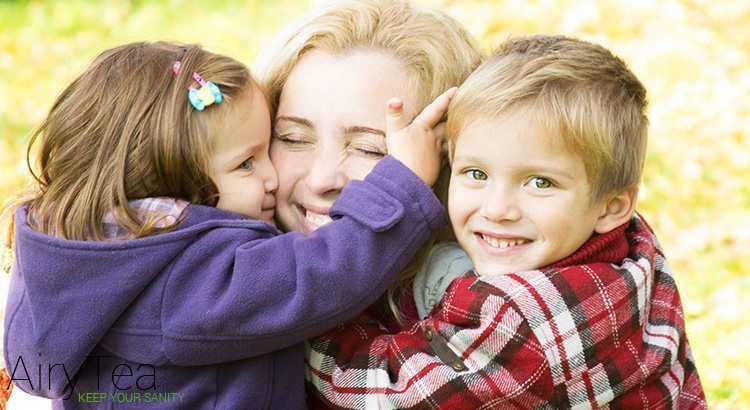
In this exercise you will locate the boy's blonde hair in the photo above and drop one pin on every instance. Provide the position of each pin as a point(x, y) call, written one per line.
point(438, 52)
point(124, 130)
point(574, 89)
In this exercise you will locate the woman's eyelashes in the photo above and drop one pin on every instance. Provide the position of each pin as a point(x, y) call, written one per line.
point(360, 146)
point(368, 150)
point(293, 140)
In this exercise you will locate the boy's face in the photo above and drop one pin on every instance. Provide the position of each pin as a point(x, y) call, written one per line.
point(240, 166)
point(518, 199)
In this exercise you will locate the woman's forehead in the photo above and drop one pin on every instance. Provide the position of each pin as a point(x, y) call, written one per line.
point(353, 86)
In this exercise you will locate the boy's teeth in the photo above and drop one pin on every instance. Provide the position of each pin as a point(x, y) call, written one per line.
point(317, 219)
point(502, 243)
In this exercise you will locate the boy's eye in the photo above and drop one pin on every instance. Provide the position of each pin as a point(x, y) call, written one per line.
point(541, 183)
point(476, 174)
point(247, 164)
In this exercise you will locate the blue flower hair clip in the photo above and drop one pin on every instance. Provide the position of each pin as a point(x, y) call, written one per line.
point(201, 98)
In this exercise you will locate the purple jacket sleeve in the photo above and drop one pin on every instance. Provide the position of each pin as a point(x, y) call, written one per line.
point(280, 291)
point(232, 289)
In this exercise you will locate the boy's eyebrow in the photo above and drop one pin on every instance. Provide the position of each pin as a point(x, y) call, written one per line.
point(543, 169)
point(467, 158)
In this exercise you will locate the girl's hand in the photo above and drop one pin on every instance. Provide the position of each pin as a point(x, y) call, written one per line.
point(418, 145)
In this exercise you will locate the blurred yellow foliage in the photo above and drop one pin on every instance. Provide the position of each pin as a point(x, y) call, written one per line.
point(692, 55)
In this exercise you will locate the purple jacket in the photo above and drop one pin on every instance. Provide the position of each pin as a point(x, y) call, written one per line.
point(211, 315)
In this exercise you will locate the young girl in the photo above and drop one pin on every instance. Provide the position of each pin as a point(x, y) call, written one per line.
point(147, 267)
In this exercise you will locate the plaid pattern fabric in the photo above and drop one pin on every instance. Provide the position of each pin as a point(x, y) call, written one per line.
point(603, 328)
point(164, 211)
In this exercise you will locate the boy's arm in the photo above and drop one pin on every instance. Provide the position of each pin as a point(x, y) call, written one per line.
point(474, 350)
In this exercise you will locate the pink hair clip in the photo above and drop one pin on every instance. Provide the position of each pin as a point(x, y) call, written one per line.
point(201, 98)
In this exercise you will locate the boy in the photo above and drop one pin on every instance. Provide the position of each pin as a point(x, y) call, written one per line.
point(570, 302)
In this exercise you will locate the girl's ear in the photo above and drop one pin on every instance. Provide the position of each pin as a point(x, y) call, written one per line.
point(618, 209)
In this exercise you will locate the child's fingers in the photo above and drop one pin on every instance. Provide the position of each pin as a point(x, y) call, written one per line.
point(432, 114)
point(439, 131)
point(394, 118)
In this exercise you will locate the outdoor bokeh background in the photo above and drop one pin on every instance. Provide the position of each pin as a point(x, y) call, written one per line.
point(692, 55)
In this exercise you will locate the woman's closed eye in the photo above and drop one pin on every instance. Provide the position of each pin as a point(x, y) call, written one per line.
point(291, 139)
point(369, 150)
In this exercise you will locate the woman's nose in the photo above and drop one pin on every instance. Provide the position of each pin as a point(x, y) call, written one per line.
point(326, 172)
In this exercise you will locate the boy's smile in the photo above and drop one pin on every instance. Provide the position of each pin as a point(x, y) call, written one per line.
point(518, 199)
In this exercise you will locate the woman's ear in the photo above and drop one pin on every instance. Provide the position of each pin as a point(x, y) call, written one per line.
point(618, 209)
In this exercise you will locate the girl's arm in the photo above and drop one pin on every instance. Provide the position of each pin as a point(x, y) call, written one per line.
point(273, 292)
point(217, 289)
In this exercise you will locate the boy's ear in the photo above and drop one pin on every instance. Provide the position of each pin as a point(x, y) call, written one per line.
point(618, 209)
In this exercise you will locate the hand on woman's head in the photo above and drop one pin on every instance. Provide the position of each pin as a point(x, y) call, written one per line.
point(418, 144)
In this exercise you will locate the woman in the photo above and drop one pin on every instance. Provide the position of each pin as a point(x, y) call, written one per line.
point(329, 77)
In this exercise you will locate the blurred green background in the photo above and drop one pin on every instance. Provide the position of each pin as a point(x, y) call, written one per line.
point(692, 55)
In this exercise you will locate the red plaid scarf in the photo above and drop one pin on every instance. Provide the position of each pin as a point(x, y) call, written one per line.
point(603, 327)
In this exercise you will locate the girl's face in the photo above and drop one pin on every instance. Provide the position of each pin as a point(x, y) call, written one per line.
point(240, 166)
point(330, 129)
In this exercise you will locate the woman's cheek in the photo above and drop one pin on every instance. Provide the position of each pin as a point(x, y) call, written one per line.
point(358, 166)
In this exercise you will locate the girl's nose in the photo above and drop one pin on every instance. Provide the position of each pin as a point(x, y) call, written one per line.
point(270, 177)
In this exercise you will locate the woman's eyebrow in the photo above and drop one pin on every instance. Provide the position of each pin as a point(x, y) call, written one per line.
point(356, 129)
point(296, 120)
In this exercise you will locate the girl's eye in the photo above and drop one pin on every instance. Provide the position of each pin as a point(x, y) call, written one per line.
point(540, 183)
point(247, 164)
point(476, 174)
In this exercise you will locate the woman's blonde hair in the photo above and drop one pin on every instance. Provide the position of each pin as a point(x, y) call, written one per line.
point(124, 130)
point(438, 52)
point(575, 89)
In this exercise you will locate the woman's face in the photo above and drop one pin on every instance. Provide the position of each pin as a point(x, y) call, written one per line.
point(330, 129)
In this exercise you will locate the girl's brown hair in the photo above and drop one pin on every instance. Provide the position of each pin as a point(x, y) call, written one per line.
point(124, 130)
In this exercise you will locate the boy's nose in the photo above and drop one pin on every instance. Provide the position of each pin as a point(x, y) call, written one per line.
point(500, 206)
